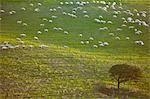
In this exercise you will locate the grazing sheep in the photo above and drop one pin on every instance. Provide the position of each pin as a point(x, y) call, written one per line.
point(119, 29)
point(36, 38)
point(139, 43)
point(19, 22)
point(131, 27)
point(129, 19)
point(66, 46)
point(66, 3)
point(18, 39)
point(31, 4)
point(0, 19)
point(65, 32)
point(117, 38)
point(109, 22)
point(50, 21)
point(23, 8)
point(43, 46)
point(64, 13)
point(39, 32)
point(95, 46)
point(86, 16)
point(115, 16)
point(60, 29)
point(127, 38)
point(138, 32)
point(80, 35)
point(85, 12)
point(44, 19)
point(59, 7)
point(37, 10)
point(82, 42)
point(101, 45)
point(87, 42)
point(42, 25)
point(23, 35)
point(21, 42)
point(46, 30)
point(54, 17)
point(39, 4)
point(91, 38)
point(61, 3)
point(30, 46)
point(24, 24)
point(4, 48)
point(2, 11)
point(55, 28)
point(111, 34)
point(123, 25)
point(101, 17)
point(105, 43)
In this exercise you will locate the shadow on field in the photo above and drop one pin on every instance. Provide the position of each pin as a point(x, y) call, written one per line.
point(124, 93)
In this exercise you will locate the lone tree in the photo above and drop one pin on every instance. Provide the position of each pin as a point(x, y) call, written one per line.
point(123, 73)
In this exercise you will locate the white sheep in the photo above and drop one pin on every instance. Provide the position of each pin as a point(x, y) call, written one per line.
point(23, 35)
point(54, 17)
point(50, 21)
point(21, 42)
point(61, 3)
point(66, 46)
point(24, 24)
point(91, 38)
point(101, 45)
point(139, 43)
point(2, 11)
point(46, 30)
point(85, 12)
point(101, 17)
point(109, 22)
point(4, 48)
point(31, 4)
point(87, 42)
point(82, 42)
point(18, 39)
point(36, 9)
point(23, 8)
point(42, 25)
point(19, 22)
point(117, 38)
point(138, 32)
point(30, 46)
point(39, 4)
point(39, 32)
point(43, 46)
point(66, 32)
point(95, 46)
point(36, 38)
point(80, 35)
point(111, 34)
point(44, 19)
point(106, 43)
point(127, 38)
point(86, 16)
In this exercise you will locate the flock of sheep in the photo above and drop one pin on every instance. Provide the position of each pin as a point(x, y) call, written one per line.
point(105, 6)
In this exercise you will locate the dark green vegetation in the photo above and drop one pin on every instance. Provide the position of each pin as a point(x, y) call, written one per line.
point(123, 73)
point(77, 71)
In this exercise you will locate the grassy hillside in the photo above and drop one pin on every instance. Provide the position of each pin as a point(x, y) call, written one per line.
point(68, 69)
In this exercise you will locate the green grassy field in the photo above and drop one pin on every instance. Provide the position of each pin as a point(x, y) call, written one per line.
point(79, 71)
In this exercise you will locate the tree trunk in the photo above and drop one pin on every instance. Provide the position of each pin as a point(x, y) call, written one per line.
point(118, 88)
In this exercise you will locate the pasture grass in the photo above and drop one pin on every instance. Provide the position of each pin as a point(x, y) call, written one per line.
point(77, 71)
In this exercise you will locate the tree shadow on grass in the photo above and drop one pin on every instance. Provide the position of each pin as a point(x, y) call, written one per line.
point(124, 93)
